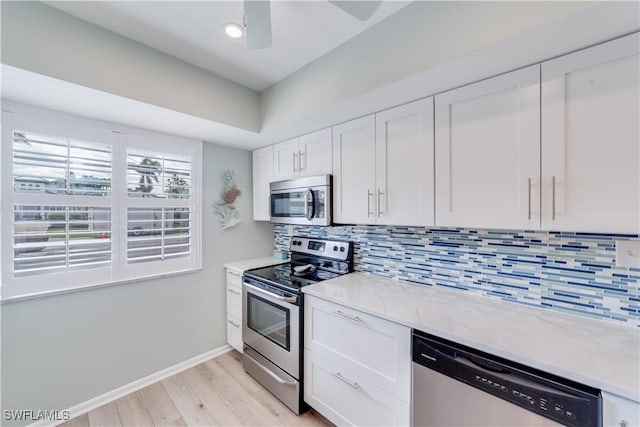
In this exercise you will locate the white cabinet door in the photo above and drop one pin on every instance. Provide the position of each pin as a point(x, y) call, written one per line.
point(619, 412)
point(315, 153)
point(234, 308)
point(405, 165)
point(354, 171)
point(286, 160)
point(591, 139)
point(262, 177)
point(488, 153)
point(381, 354)
point(234, 332)
point(347, 399)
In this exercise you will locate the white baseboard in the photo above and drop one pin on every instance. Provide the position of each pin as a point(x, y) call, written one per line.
point(136, 385)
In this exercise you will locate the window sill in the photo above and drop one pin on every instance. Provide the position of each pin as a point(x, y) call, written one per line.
point(99, 285)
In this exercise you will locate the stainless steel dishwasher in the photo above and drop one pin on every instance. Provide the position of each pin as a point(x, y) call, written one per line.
point(457, 386)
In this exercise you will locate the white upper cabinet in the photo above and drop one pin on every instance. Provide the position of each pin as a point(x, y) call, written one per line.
point(487, 140)
point(307, 155)
point(315, 153)
point(404, 165)
point(262, 177)
point(286, 160)
point(354, 176)
point(591, 139)
point(383, 167)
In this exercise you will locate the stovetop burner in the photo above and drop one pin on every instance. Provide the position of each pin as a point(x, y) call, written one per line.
point(327, 259)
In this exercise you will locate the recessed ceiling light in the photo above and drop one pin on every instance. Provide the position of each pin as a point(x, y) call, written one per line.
point(233, 30)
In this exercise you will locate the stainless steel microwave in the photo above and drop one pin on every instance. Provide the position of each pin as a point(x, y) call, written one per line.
point(301, 201)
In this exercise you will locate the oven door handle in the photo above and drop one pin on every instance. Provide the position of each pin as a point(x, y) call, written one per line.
point(290, 300)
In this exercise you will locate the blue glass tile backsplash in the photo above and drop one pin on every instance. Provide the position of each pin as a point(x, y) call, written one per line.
point(569, 272)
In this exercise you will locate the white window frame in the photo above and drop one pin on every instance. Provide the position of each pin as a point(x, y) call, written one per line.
point(26, 118)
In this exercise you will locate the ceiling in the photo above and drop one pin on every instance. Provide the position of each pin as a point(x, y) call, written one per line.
point(193, 31)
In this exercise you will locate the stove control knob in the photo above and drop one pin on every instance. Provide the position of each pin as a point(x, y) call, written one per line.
point(335, 248)
point(342, 249)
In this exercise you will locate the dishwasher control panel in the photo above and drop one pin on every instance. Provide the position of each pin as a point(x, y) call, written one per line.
point(561, 400)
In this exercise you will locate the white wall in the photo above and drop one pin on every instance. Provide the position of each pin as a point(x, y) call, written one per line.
point(379, 68)
point(62, 350)
point(42, 39)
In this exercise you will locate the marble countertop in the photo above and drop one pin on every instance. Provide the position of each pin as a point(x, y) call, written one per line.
point(589, 351)
point(247, 264)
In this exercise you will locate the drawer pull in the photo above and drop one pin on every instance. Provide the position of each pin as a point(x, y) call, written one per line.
point(339, 376)
point(347, 316)
point(233, 292)
point(233, 273)
point(237, 325)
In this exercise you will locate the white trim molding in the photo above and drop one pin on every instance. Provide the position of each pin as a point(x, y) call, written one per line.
point(110, 396)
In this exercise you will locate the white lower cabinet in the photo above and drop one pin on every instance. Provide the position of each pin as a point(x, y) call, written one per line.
point(347, 399)
point(234, 308)
point(619, 412)
point(357, 367)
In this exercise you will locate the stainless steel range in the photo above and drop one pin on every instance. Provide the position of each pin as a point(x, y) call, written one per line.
point(272, 313)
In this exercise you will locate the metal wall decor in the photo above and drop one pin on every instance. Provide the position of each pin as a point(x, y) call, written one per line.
point(229, 215)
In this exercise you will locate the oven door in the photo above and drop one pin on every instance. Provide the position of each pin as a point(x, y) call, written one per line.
point(271, 326)
point(303, 205)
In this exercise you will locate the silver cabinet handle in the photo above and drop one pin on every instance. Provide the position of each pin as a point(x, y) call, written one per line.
point(295, 155)
point(553, 198)
point(233, 273)
point(232, 323)
point(353, 384)
point(233, 292)
point(302, 153)
point(347, 316)
point(380, 193)
point(529, 198)
point(369, 194)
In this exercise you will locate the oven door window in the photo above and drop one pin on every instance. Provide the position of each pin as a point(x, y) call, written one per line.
point(270, 320)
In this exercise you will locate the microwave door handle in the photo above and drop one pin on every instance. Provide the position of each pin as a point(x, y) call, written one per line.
point(307, 214)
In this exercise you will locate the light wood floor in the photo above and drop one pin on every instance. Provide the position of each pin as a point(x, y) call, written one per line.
point(215, 393)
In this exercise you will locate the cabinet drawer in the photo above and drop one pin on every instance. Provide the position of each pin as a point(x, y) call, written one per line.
point(372, 348)
point(234, 278)
point(619, 412)
point(347, 399)
point(234, 300)
point(234, 332)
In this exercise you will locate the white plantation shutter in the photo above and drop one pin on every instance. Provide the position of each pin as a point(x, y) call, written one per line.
point(83, 205)
point(158, 234)
point(50, 239)
point(56, 165)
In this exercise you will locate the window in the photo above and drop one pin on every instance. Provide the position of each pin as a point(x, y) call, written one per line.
point(91, 205)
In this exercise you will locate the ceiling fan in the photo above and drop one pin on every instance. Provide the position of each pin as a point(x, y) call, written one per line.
point(257, 18)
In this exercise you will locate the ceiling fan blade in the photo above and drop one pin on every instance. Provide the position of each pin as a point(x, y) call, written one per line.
point(257, 23)
point(358, 9)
